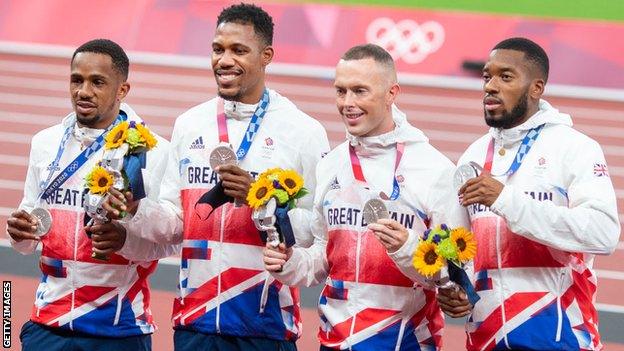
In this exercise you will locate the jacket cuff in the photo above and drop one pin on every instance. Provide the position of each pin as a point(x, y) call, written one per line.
point(502, 204)
point(404, 255)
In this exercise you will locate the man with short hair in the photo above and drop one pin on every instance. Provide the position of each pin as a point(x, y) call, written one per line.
point(373, 299)
point(227, 301)
point(541, 209)
point(83, 303)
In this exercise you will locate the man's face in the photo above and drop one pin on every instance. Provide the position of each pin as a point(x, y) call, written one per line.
point(506, 85)
point(96, 89)
point(364, 97)
point(238, 60)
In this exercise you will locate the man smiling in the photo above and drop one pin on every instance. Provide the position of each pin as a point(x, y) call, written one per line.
point(226, 300)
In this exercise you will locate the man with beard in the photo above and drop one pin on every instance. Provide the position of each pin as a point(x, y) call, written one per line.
point(83, 303)
point(541, 208)
point(227, 301)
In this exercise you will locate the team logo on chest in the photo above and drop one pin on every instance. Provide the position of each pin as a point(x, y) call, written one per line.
point(267, 147)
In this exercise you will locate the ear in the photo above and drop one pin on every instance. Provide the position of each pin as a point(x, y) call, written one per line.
point(537, 88)
point(392, 94)
point(267, 55)
point(123, 90)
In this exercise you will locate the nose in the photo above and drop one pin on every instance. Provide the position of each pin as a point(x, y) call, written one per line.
point(490, 86)
point(349, 99)
point(85, 90)
point(225, 59)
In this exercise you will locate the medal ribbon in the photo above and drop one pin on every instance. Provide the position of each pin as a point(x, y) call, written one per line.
point(523, 150)
point(47, 188)
point(359, 175)
point(252, 127)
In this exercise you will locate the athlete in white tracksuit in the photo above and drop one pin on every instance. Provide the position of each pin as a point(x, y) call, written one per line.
point(536, 244)
point(221, 273)
point(78, 293)
point(372, 299)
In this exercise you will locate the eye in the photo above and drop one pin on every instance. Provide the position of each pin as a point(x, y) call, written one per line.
point(506, 77)
point(75, 80)
point(217, 50)
point(99, 82)
point(360, 91)
point(240, 51)
point(486, 77)
point(340, 91)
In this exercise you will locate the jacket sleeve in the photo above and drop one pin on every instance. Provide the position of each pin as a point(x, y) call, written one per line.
point(443, 208)
point(308, 266)
point(589, 224)
point(31, 191)
point(159, 216)
point(311, 152)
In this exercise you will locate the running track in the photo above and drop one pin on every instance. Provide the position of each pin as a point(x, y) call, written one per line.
point(34, 95)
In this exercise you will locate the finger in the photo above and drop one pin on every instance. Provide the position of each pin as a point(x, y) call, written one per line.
point(273, 268)
point(22, 224)
point(19, 235)
point(269, 261)
point(104, 245)
point(272, 254)
point(230, 169)
point(22, 214)
point(469, 183)
point(105, 252)
point(234, 185)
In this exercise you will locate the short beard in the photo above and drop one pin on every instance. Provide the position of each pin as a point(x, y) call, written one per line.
point(89, 122)
point(511, 119)
point(235, 97)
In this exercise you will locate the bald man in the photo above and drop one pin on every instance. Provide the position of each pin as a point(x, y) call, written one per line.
point(373, 298)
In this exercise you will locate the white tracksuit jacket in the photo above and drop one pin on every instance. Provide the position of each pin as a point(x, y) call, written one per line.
point(77, 292)
point(222, 275)
point(536, 244)
point(372, 300)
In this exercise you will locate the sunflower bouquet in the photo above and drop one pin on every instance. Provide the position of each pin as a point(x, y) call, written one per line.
point(271, 196)
point(442, 244)
point(124, 156)
point(285, 185)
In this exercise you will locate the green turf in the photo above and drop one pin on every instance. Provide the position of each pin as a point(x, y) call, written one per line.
point(611, 10)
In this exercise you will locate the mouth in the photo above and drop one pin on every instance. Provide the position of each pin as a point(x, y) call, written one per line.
point(353, 118)
point(491, 103)
point(226, 77)
point(85, 107)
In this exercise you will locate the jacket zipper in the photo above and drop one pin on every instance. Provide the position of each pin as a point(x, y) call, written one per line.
point(221, 228)
point(500, 274)
point(73, 285)
point(559, 308)
point(357, 278)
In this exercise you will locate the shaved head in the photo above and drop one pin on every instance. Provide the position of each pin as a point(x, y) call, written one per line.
point(384, 62)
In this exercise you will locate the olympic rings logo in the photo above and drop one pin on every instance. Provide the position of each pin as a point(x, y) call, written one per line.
point(406, 40)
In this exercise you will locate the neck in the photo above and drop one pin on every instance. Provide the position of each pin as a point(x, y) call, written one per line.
point(531, 110)
point(386, 126)
point(99, 122)
point(254, 96)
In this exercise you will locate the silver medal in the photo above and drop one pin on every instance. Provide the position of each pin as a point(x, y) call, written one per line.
point(464, 173)
point(374, 209)
point(44, 221)
point(222, 155)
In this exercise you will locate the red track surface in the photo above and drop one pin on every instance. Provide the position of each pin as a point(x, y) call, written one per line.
point(34, 95)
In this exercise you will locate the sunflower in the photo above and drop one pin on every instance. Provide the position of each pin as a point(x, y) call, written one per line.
point(465, 242)
point(99, 180)
point(260, 192)
point(116, 136)
point(150, 141)
point(426, 261)
point(271, 173)
point(291, 181)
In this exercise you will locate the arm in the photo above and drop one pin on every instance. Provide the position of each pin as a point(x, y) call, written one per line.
point(590, 222)
point(302, 216)
point(303, 266)
point(443, 207)
point(158, 217)
point(24, 243)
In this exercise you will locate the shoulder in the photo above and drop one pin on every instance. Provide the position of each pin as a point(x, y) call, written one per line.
point(197, 112)
point(476, 151)
point(287, 113)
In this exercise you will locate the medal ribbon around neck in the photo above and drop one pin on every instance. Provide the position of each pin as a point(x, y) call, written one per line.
point(252, 127)
point(523, 150)
point(47, 187)
point(359, 175)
